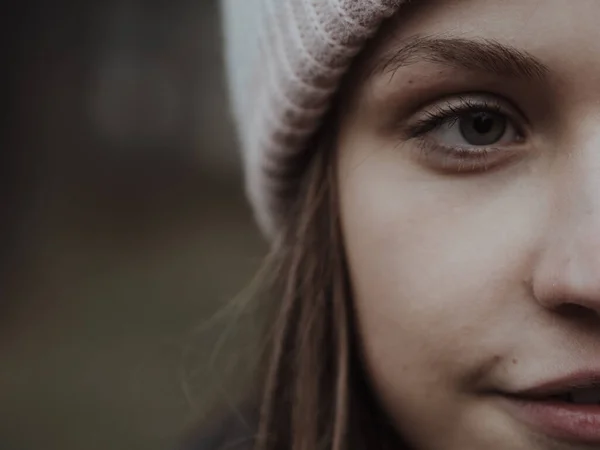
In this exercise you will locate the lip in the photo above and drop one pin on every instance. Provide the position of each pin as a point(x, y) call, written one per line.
point(535, 407)
point(558, 386)
point(558, 420)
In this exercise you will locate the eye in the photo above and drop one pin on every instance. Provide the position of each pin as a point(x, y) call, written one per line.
point(476, 128)
point(472, 133)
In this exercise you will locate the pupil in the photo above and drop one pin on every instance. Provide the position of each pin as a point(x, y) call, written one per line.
point(483, 123)
point(482, 128)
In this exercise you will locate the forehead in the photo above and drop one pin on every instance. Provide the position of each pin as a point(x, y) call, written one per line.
point(522, 19)
point(546, 29)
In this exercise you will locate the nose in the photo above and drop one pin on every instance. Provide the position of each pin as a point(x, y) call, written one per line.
point(567, 275)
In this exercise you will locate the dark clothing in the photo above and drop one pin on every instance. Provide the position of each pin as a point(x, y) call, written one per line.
point(236, 432)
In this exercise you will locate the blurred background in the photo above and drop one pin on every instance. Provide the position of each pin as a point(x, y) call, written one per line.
point(125, 229)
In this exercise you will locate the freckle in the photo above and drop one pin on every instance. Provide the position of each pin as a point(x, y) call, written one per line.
point(514, 361)
point(410, 81)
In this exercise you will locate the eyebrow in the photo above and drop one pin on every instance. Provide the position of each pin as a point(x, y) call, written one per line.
point(475, 55)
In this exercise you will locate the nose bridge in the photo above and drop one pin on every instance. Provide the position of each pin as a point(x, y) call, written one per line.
point(569, 270)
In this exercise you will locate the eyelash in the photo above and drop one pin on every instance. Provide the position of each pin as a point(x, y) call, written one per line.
point(470, 158)
point(442, 113)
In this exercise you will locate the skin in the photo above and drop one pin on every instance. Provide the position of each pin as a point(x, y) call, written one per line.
point(472, 282)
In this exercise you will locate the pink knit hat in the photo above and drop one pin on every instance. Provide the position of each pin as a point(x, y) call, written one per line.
point(285, 60)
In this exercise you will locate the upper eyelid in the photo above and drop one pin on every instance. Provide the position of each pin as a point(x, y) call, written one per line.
point(471, 101)
point(452, 114)
point(449, 110)
point(464, 102)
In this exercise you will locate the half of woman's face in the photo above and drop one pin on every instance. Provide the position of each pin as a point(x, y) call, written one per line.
point(469, 173)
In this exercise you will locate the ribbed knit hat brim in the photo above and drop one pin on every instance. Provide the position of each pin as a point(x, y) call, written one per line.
point(285, 60)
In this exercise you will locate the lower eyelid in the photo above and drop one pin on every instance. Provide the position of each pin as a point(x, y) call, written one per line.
point(465, 159)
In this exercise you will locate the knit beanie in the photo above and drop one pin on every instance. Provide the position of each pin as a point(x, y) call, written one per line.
point(285, 60)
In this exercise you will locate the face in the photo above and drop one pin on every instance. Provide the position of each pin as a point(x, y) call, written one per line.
point(469, 176)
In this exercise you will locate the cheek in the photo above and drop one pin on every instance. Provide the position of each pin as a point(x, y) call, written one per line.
point(438, 267)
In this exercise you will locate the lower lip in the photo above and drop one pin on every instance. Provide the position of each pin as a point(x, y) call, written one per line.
point(564, 421)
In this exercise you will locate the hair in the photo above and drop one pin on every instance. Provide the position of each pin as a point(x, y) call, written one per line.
point(315, 392)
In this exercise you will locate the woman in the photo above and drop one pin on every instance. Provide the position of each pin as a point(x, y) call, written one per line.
point(429, 177)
